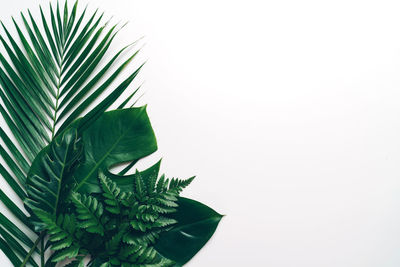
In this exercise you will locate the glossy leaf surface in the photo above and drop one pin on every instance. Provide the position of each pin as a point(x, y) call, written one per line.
point(196, 224)
point(46, 180)
point(116, 137)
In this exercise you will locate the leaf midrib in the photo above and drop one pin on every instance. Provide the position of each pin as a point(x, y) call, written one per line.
point(57, 98)
point(98, 164)
point(60, 182)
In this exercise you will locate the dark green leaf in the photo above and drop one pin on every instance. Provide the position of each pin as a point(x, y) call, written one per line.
point(116, 137)
point(15, 231)
point(17, 134)
point(25, 68)
point(89, 212)
point(9, 253)
point(15, 245)
point(44, 76)
point(56, 31)
point(196, 224)
point(46, 178)
point(14, 151)
point(76, 27)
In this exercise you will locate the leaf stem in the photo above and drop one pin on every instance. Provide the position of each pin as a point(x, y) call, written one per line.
point(32, 249)
point(42, 250)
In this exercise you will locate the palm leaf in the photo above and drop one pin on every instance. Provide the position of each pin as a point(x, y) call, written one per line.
point(47, 80)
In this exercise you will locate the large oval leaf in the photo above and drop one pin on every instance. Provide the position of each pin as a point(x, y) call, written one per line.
point(196, 224)
point(116, 137)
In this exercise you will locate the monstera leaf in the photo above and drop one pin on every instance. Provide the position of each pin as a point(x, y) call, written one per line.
point(47, 177)
point(117, 137)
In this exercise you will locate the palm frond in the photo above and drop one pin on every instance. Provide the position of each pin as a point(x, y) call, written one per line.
point(47, 80)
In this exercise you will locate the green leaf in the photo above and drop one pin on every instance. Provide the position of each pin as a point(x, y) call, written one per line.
point(116, 137)
point(76, 263)
point(37, 105)
point(12, 183)
point(45, 76)
point(80, 42)
point(111, 194)
point(61, 231)
point(50, 38)
point(89, 212)
point(71, 20)
point(15, 245)
point(46, 178)
point(140, 188)
point(14, 230)
point(22, 162)
point(177, 185)
point(196, 224)
point(14, 208)
point(17, 134)
point(82, 59)
point(9, 253)
point(12, 165)
point(40, 44)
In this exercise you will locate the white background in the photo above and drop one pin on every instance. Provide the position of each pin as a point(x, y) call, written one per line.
point(287, 112)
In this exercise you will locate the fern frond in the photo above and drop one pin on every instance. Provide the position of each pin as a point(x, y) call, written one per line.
point(139, 184)
point(111, 193)
point(138, 254)
point(138, 225)
point(76, 263)
point(112, 246)
point(160, 199)
point(61, 234)
point(148, 215)
point(127, 199)
point(151, 183)
point(161, 184)
point(163, 222)
point(170, 195)
point(147, 238)
point(89, 212)
point(162, 209)
point(70, 252)
point(178, 185)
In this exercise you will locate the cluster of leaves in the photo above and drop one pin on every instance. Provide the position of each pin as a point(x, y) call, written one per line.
point(116, 227)
point(60, 163)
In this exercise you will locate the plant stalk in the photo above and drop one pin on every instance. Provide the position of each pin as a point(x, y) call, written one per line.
point(32, 249)
point(42, 252)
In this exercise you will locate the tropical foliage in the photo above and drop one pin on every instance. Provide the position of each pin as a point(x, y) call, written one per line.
point(60, 142)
